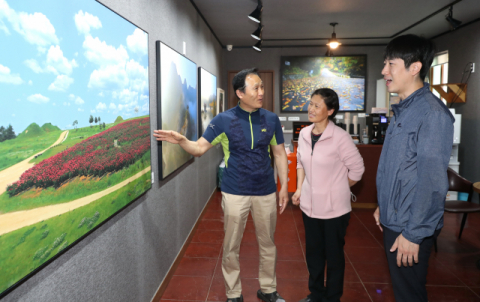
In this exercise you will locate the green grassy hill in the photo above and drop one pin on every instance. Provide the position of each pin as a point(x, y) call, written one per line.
point(119, 119)
point(32, 130)
point(48, 127)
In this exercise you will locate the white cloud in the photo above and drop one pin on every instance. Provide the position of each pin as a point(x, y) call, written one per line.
point(57, 63)
point(138, 42)
point(79, 101)
point(61, 83)
point(101, 94)
point(38, 98)
point(145, 108)
point(35, 28)
point(101, 106)
point(112, 106)
point(71, 96)
point(100, 53)
point(13, 114)
point(80, 109)
point(92, 111)
point(30, 82)
point(109, 77)
point(33, 65)
point(54, 104)
point(86, 21)
point(126, 96)
point(138, 76)
point(7, 77)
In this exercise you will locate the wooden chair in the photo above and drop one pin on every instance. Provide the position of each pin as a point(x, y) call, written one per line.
point(460, 184)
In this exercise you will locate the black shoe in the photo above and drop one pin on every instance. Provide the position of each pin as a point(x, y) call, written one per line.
point(307, 299)
point(235, 299)
point(273, 297)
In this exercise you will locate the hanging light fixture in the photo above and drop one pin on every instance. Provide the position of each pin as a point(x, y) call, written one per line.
point(258, 46)
point(333, 42)
point(454, 23)
point(257, 34)
point(256, 15)
point(329, 52)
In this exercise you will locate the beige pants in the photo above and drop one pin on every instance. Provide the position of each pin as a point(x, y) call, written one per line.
point(264, 213)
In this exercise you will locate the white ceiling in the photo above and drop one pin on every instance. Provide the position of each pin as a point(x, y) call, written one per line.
point(359, 21)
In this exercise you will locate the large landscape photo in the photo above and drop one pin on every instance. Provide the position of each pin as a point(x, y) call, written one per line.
point(74, 126)
point(301, 76)
point(178, 104)
point(208, 98)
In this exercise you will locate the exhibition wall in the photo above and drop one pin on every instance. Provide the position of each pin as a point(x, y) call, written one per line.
point(463, 46)
point(126, 258)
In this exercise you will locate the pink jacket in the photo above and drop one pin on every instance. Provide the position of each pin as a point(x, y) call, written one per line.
point(325, 191)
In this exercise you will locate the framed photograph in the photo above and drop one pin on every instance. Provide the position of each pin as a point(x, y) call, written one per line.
point(207, 97)
point(177, 105)
point(221, 100)
point(301, 76)
point(392, 99)
point(74, 128)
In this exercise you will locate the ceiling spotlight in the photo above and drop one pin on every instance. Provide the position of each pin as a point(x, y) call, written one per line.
point(258, 46)
point(333, 42)
point(257, 34)
point(256, 15)
point(454, 23)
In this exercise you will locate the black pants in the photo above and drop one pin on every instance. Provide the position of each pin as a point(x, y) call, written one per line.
point(325, 239)
point(408, 281)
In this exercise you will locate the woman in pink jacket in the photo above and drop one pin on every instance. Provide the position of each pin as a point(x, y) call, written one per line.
point(328, 164)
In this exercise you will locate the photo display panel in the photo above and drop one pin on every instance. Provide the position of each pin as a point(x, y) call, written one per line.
point(177, 104)
point(301, 76)
point(207, 98)
point(74, 127)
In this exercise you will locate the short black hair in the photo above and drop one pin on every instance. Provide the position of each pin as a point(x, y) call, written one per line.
point(330, 98)
point(411, 49)
point(239, 79)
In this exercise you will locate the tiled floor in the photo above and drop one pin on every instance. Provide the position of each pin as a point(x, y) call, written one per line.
point(452, 276)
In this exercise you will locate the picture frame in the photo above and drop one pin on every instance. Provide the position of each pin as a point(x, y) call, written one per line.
point(85, 158)
point(207, 99)
point(392, 99)
point(177, 105)
point(301, 75)
point(221, 100)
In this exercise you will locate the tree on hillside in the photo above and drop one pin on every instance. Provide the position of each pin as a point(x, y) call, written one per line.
point(96, 120)
point(9, 133)
point(136, 109)
point(74, 124)
point(104, 125)
point(2, 134)
point(99, 121)
point(90, 120)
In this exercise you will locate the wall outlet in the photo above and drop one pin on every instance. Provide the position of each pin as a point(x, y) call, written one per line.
point(472, 67)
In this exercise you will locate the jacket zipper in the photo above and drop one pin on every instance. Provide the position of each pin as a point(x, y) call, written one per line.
point(251, 128)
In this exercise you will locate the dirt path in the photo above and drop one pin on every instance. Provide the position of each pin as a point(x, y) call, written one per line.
point(12, 174)
point(16, 220)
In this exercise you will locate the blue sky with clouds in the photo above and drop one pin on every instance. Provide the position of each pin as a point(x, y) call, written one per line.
point(62, 61)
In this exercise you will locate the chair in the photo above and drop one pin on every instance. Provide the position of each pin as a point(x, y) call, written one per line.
point(459, 184)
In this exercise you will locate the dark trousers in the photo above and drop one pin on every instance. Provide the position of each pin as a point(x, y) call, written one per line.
point(408, 282)
point(325, 239)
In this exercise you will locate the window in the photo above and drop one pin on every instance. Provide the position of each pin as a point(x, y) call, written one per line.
point(439, 72)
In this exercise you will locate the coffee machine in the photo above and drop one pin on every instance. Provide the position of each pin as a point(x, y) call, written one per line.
point(377, 127)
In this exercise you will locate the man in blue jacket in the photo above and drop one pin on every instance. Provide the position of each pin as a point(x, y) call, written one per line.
point(246, 132)
point(412, 172)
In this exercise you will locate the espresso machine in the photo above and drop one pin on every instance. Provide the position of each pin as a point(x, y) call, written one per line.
point(377, 127)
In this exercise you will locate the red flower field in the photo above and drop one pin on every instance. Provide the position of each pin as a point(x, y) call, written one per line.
point(95, 156)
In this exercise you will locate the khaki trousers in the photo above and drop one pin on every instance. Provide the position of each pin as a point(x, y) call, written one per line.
point(264, 213)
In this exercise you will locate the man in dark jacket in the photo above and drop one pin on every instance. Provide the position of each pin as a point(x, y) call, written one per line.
point(412, 172)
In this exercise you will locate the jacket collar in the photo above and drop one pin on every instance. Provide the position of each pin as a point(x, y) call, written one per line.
point(243, 112)
point(327, 133)
point(404, 104)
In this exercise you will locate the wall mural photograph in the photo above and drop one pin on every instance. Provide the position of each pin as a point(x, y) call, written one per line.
point(301, 76)
point(177, 104)
point(208, 98)
point(74, 126)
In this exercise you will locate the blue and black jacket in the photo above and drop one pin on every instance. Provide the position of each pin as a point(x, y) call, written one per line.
point(412, 173)
point(246, 138)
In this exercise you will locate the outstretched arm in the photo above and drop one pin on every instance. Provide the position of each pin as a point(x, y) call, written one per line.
point(197, 148)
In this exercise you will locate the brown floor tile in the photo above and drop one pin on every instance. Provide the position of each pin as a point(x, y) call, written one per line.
point(287, 237)
point(204, 250)
point(208, 236)
point(354, 292)
point(355, 241)
point(439, 274)
point(292, 290)
point(470, 275)
point(451, 294)
point(292, 270)
point(380, 292)
point(366, 254)
point(187, 288)
point(196, 267)
point(290, 252)
point(211, 224)
point(372, 272)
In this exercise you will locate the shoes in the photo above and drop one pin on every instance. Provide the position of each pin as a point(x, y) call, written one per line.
point(307, 299)
point(273, 297)
point(240, 299)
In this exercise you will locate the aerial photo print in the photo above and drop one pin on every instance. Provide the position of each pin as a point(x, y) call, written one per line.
point(74, 126)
